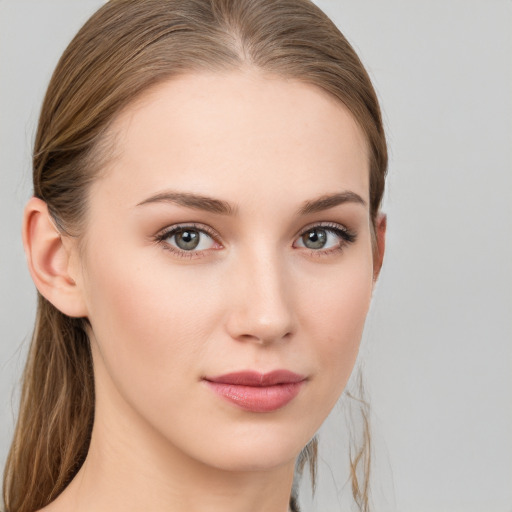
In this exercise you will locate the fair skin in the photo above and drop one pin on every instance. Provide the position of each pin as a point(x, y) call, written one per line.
point(259, 292)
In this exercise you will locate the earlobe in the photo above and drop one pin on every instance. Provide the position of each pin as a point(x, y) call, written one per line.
point(49, 260)
point(380, 235)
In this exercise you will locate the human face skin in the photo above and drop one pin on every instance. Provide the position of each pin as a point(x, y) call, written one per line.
point(252, 296)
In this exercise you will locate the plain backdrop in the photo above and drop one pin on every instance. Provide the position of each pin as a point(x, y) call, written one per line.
point(437, 351)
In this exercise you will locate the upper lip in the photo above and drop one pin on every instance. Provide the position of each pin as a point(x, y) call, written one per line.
point(257, 379)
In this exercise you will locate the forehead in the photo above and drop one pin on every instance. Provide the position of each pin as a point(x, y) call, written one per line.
point(222, 133)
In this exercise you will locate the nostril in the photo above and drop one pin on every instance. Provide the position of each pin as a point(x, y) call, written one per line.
point(265, 338)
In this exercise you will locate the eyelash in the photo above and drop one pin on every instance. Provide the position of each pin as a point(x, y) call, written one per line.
point(346, 236)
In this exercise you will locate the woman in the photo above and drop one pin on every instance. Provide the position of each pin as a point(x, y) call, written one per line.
point(205, 236)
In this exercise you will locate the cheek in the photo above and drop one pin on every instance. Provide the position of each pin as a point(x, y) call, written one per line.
point(144, 312)
point(336, 314)
point(145, 324)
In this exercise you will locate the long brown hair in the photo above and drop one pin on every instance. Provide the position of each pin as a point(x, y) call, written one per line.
point(125, 48)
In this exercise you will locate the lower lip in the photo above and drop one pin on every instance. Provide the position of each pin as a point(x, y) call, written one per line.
point(255, 398)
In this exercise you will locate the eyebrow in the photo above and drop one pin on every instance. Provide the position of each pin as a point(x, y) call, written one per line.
point(330, 201)
point(194, 201)
point(219, 206)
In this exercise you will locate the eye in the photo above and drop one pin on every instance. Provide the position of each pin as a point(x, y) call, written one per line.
point(187, 239)
point(325, 238)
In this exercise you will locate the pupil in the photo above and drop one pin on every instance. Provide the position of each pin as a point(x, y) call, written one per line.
point(315, 239)
point(187, 240)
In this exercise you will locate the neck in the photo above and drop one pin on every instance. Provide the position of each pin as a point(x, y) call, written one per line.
point(143, 481)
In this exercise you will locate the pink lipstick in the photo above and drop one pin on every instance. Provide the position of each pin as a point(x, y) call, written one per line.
point(257, 392)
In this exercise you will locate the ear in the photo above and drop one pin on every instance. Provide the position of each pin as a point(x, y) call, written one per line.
point(51, 257)
point(380, 236)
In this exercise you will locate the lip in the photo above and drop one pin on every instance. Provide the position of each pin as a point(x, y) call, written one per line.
point(257, 392)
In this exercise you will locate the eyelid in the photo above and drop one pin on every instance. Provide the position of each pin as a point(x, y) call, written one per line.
point(165, 232)
point(348, 233)
point(323, 224)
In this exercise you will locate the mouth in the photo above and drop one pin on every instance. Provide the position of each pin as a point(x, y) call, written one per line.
point(257, 392)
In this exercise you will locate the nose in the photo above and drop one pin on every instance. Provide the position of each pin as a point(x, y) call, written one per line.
point(261, 305)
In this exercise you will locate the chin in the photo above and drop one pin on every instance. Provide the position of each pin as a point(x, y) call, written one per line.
point(263, 449)
point(255, 459)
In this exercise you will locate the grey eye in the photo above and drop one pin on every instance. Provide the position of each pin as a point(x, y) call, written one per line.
point(315, 238)
point(187, 239)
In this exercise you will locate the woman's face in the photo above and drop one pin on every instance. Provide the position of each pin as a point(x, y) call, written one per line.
point(231, 233)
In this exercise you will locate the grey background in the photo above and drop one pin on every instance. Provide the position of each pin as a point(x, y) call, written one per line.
point(437, 350)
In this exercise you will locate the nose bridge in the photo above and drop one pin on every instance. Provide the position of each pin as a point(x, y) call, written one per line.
point(262, 306)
